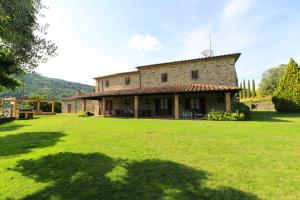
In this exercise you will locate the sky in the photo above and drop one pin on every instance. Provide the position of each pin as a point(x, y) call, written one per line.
point(101, 37)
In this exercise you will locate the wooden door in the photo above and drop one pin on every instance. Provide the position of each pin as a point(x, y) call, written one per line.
point(109, 106)
point(195, 104)
point(163, 107)
point(69, 108)
point(202, 106)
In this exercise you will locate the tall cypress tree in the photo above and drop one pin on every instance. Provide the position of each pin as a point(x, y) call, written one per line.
point(244, 89)
point(253, 88)
point(241, 92)
point(249, 90)
point(286, 97)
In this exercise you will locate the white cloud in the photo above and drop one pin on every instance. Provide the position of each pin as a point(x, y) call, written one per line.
point(144, 43)
point(237, 8)
point(195, 42)
point(229, 34)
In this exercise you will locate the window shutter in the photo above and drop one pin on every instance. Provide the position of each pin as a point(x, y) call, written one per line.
point(196, 74)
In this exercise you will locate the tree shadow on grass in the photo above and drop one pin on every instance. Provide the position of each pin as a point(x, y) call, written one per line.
point(97, 176)
point(271, 116)
point(14, 144)
point(10, 127)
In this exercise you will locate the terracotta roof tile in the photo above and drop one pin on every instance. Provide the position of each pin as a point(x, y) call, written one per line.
point(234, 55)
point(162, 90)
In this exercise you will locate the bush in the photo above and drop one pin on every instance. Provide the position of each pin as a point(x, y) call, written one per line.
point(241, 108)
point(285, 105)
point(286, 97)
point(85, 114)
point(226, 116)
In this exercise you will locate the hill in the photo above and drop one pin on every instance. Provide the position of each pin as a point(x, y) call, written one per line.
point(39, 85)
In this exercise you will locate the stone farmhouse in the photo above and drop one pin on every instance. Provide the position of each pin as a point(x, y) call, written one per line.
point(179, 89)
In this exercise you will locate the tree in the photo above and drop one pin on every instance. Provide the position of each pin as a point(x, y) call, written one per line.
point(244, 89)
point(22, 43)
point(253, 88)
point(270, 79)
point(241, 92)
point(286, 97)
point(249, 90)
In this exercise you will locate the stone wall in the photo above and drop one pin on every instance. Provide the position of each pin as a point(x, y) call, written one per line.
point(118, 82)
point(77, 105)
point(217, 71)
point(211, 71)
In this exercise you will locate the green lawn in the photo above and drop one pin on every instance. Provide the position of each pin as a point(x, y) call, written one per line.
point(67, 157)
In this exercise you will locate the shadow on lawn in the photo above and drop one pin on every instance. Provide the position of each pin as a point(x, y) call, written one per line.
point(23, 143)
point(87, 176)
point(10, 127)
point(271, 116)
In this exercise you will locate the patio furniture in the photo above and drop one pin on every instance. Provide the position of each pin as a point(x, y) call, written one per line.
point(187, 115)
point(199, 115)
point(24, 114)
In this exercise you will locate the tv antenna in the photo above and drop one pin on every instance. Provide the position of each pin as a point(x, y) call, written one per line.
point(208, 52)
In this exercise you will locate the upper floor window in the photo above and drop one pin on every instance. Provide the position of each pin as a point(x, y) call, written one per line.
point(106, 83)
point(195, 74)
point(127, 80)
point(164, 77)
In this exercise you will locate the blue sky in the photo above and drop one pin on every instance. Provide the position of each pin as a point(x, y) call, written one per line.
point(100, 37)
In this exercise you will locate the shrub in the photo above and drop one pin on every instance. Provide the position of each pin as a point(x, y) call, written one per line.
point(225, 116)
point(85, 114)
point(241, 108)
point(286, 97)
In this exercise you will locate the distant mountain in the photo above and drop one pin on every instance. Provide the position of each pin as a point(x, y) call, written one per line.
point(54, 88)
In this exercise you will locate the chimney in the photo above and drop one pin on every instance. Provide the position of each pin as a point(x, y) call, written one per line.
point(77, 93)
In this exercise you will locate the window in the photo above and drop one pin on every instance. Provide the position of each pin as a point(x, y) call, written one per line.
point(127, 80)
point(195, 103)
point(221, 100)
point(164, 104)
point(147, 101)
point(127, 102)
point(195, 74)
point(164, 77)
point(106, 83)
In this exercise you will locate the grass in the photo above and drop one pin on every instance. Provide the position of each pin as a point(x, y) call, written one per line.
point(67, 157)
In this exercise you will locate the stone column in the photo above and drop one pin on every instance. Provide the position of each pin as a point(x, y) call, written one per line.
point(103, 106)
point(97, 105)
point(53, 107)
point(38, 106)
point(136, 106)
point(84, 105)
point(176, 106)
point(15, 108)
point(228, 102)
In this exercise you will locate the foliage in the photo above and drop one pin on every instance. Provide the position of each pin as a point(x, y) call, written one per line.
point(249, 90)
point(244, 89)
point(43, 87)
point(253, 88)
point(85, 114)
point(22, 42)
point(239, 112)
point(225, 116)
point(286, 97)
point(270, 80)
point(241, 108)
point(241, 92)
point(8, 67)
